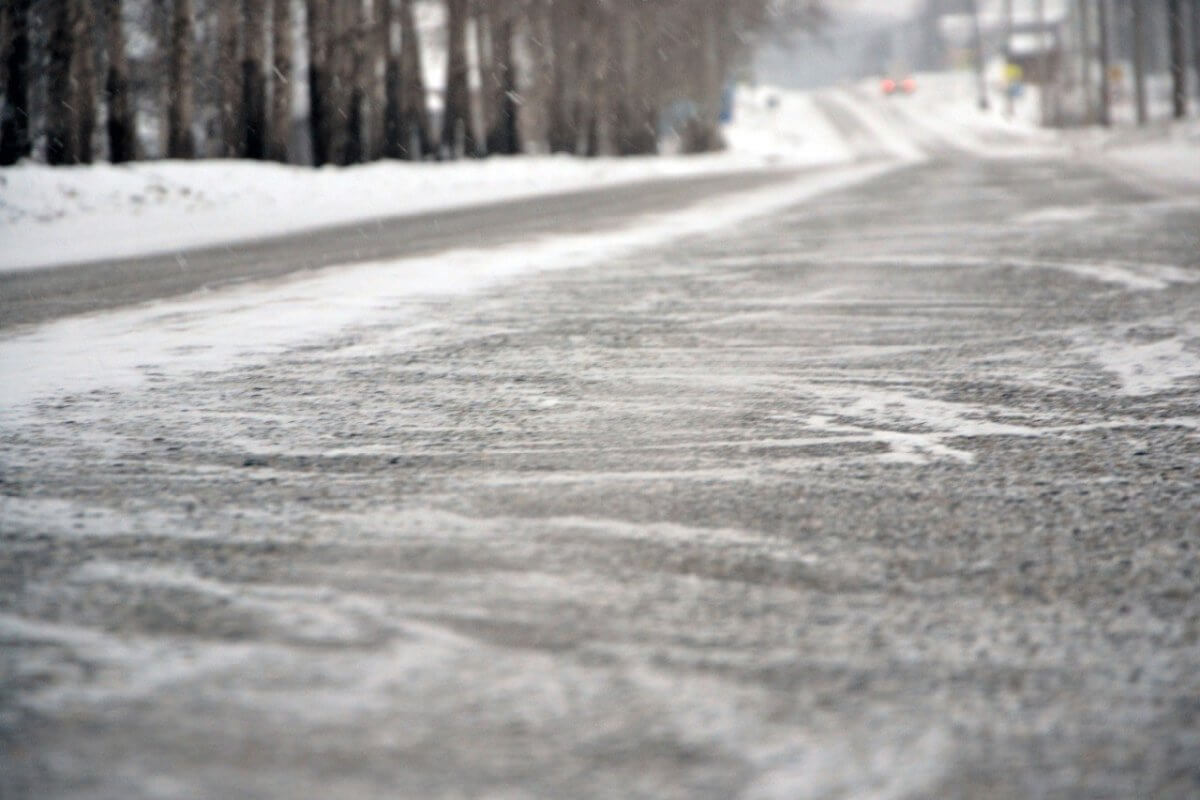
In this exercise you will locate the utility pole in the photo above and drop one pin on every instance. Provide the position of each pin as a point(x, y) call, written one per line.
point(1103, 45)
point(980, 65)
point(1139, 61)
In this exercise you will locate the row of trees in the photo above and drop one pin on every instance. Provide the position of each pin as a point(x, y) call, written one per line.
point(217, 76)
point(1094, 35)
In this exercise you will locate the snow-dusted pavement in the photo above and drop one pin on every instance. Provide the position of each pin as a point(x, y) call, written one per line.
point(886, 487)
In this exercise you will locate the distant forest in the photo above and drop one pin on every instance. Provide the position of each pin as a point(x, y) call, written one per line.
point(128, 79)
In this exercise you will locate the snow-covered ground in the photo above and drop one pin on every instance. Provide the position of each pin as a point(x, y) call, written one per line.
point(256, 322)
point(52, 216)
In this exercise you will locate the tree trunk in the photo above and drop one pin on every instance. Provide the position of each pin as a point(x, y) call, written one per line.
point(341, 69)
point(414, 137)
point(485, 55)
point(254, 79)
point(1139, 61)
point(1085, 59)
point(561, 134)
point(379, 42)
point(83, 77)
point(1103, 20)
point(394, 145)
point(599, 134)
point(319, 80)
point(1196, 47)
point(179, 82)
point(457, 137)
point(502, 133)
point(583, 108)
point(121, 124)
point(1178, 59)
point(361, 68)
point(279, 131)
point(703, 134)
point(539, 92)
point(636, 111)
point(15, 142)
point(229, 84)
point(62, 144)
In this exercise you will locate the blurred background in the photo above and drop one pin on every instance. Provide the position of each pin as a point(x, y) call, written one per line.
point(349, 81)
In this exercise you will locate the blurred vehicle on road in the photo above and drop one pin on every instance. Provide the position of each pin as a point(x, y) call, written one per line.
point(891, 86)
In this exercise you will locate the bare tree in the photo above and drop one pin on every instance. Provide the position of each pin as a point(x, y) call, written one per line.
point(500, 82)
point(229, 82)
point(280, 128)
point(1175, 30)
point(14, 114)
point(342, 71)
point(379, 40)
point(180, 142)
point(414, 136)
point(62, 142)
point(567, 18)
point(254, 79)
point(1139, 61)
point(457, 136)
point(360, 67)
point(319, 79)
point(636, 110)
point(121, 124)
point(1103, 22)
point(1196, 46)
point(83, 77)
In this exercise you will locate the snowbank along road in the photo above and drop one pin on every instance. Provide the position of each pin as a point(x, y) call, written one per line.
point(886, 487)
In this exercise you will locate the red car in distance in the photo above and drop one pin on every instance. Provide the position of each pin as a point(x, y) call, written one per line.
point(906, 86)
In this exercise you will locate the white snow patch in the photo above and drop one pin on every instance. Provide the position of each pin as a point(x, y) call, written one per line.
point(1145, 368)
point(1057, 214)
point(892, 138)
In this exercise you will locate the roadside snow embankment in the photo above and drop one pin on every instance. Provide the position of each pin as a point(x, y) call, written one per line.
point(51, 216)
point(256, 322)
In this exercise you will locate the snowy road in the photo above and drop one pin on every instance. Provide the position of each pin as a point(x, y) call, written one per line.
point(888, 491)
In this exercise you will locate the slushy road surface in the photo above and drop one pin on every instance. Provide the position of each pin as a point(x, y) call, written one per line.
point(893, 494)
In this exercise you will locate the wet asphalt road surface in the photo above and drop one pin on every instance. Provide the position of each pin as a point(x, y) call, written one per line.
point(894, 494)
